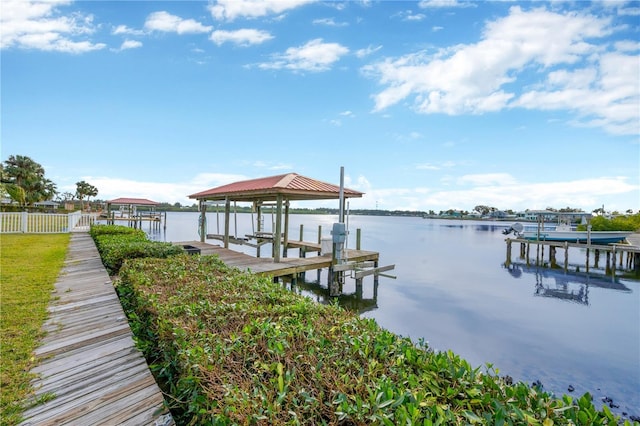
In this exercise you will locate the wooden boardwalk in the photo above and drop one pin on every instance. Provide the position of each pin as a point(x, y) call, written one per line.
point(89, 363)
point(287, 267)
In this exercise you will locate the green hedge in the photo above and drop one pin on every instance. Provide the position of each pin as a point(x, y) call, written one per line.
point(231, 348)
point(620, 223)
point(118, 243)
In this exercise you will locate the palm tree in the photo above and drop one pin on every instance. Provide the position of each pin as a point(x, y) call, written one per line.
point(22, 170)
point(85, 189)
point(24, 173)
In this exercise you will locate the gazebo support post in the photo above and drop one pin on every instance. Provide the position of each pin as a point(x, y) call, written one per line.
point(286, 229)
point(202, 221)
point(277, 237)
point(227, 210)
point(258, 225)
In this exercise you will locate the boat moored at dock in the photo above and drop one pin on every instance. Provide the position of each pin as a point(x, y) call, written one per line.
point(564, 232)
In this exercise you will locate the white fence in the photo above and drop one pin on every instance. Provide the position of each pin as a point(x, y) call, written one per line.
point(45, 223)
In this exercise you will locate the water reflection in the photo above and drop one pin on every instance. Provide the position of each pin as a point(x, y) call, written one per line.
point(355, 302)
point(567, 287)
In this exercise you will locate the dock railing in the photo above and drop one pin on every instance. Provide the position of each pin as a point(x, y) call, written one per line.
point(45, 223)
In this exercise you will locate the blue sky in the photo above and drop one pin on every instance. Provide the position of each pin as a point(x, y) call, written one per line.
point(427, 105)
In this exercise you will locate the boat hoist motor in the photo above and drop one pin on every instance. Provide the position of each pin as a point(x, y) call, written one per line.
point(339, 234)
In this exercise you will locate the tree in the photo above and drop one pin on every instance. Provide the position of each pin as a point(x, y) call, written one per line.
point(85, 189)
point(483, 210)
point(22, 172)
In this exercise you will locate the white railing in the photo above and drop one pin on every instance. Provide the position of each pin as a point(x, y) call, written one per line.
point(44, 223)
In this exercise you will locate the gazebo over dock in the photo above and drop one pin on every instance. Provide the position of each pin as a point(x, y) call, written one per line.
point(279, 189)
point(128, 209)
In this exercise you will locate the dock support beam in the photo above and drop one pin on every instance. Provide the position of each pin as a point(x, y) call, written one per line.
point(202, 225)
point(227, 211)
point(278, 235)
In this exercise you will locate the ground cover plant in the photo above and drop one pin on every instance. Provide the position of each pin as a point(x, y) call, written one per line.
point(117, 243)
point(30, 265)
point(232, 348)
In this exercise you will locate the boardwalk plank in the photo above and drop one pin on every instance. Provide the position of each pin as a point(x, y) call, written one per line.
point(96, 351)
point(89, 360)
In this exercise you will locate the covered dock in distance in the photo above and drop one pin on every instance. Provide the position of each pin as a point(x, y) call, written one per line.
point(134, 211)
point(277, 190)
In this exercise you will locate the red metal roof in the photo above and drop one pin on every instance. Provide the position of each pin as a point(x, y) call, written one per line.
point(292, 186)
point(133, 201)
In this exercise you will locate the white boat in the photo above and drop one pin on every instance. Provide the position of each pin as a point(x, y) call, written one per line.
point(564, 232)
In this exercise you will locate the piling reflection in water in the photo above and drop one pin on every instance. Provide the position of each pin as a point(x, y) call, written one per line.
point(568, 287)
point(356, 302)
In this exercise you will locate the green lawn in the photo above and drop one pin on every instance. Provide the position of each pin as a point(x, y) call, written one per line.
point(29, 266)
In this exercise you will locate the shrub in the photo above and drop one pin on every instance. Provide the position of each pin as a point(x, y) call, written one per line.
point(233, 348)
point(619, 223)
point(118, 243)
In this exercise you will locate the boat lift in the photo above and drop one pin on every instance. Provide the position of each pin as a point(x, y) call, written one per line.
point(340, 265)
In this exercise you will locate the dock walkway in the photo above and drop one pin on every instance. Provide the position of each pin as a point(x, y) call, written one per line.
point(89, 363)
point(287, 267)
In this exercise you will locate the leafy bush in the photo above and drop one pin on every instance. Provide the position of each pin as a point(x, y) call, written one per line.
point(233, 348)
point(97, 230)
point(619, 223)
point(118, 243)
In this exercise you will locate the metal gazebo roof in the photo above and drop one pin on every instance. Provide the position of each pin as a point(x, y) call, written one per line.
point(291, 186)
point(133, 201)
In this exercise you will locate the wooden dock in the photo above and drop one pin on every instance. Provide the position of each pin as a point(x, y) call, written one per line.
point(288, 267)
point(614, 253)
point(90, 370)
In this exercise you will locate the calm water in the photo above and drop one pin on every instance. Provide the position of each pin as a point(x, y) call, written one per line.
point(453, 291)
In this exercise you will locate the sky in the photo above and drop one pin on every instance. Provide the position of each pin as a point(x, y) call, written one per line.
point(427, 105)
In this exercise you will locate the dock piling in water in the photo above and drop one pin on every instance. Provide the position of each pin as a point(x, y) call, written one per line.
point(614, 253)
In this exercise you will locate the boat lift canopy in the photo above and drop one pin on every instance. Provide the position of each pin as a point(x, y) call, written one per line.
point(280, 189)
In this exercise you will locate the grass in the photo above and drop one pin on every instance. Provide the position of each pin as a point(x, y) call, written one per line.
point(29, 266)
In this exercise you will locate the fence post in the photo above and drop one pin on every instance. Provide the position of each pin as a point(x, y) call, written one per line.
point(71, 224)
point(25, 222)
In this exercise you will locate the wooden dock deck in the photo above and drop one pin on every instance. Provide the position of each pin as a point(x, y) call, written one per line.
point(89, 363)
point(287, 267)
point(614, 253)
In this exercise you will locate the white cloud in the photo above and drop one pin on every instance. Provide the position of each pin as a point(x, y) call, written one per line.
point(481, 77)
point(425, 4)
point(242, 37)
point(408, 16)
point(110, 188)
point(502, 191)
point(361, 53)
point(26, 24)
point(166, 22)
point(123, 29)
point(329, 22)
point(439, 166)
point(486, 179)
point(130, 44)
point(315, 55)
point(607, 96)
point(231, 9)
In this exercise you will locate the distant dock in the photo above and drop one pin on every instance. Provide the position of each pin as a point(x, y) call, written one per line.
point(617, 257)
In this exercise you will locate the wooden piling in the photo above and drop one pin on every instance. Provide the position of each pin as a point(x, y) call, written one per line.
point(303, 252)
